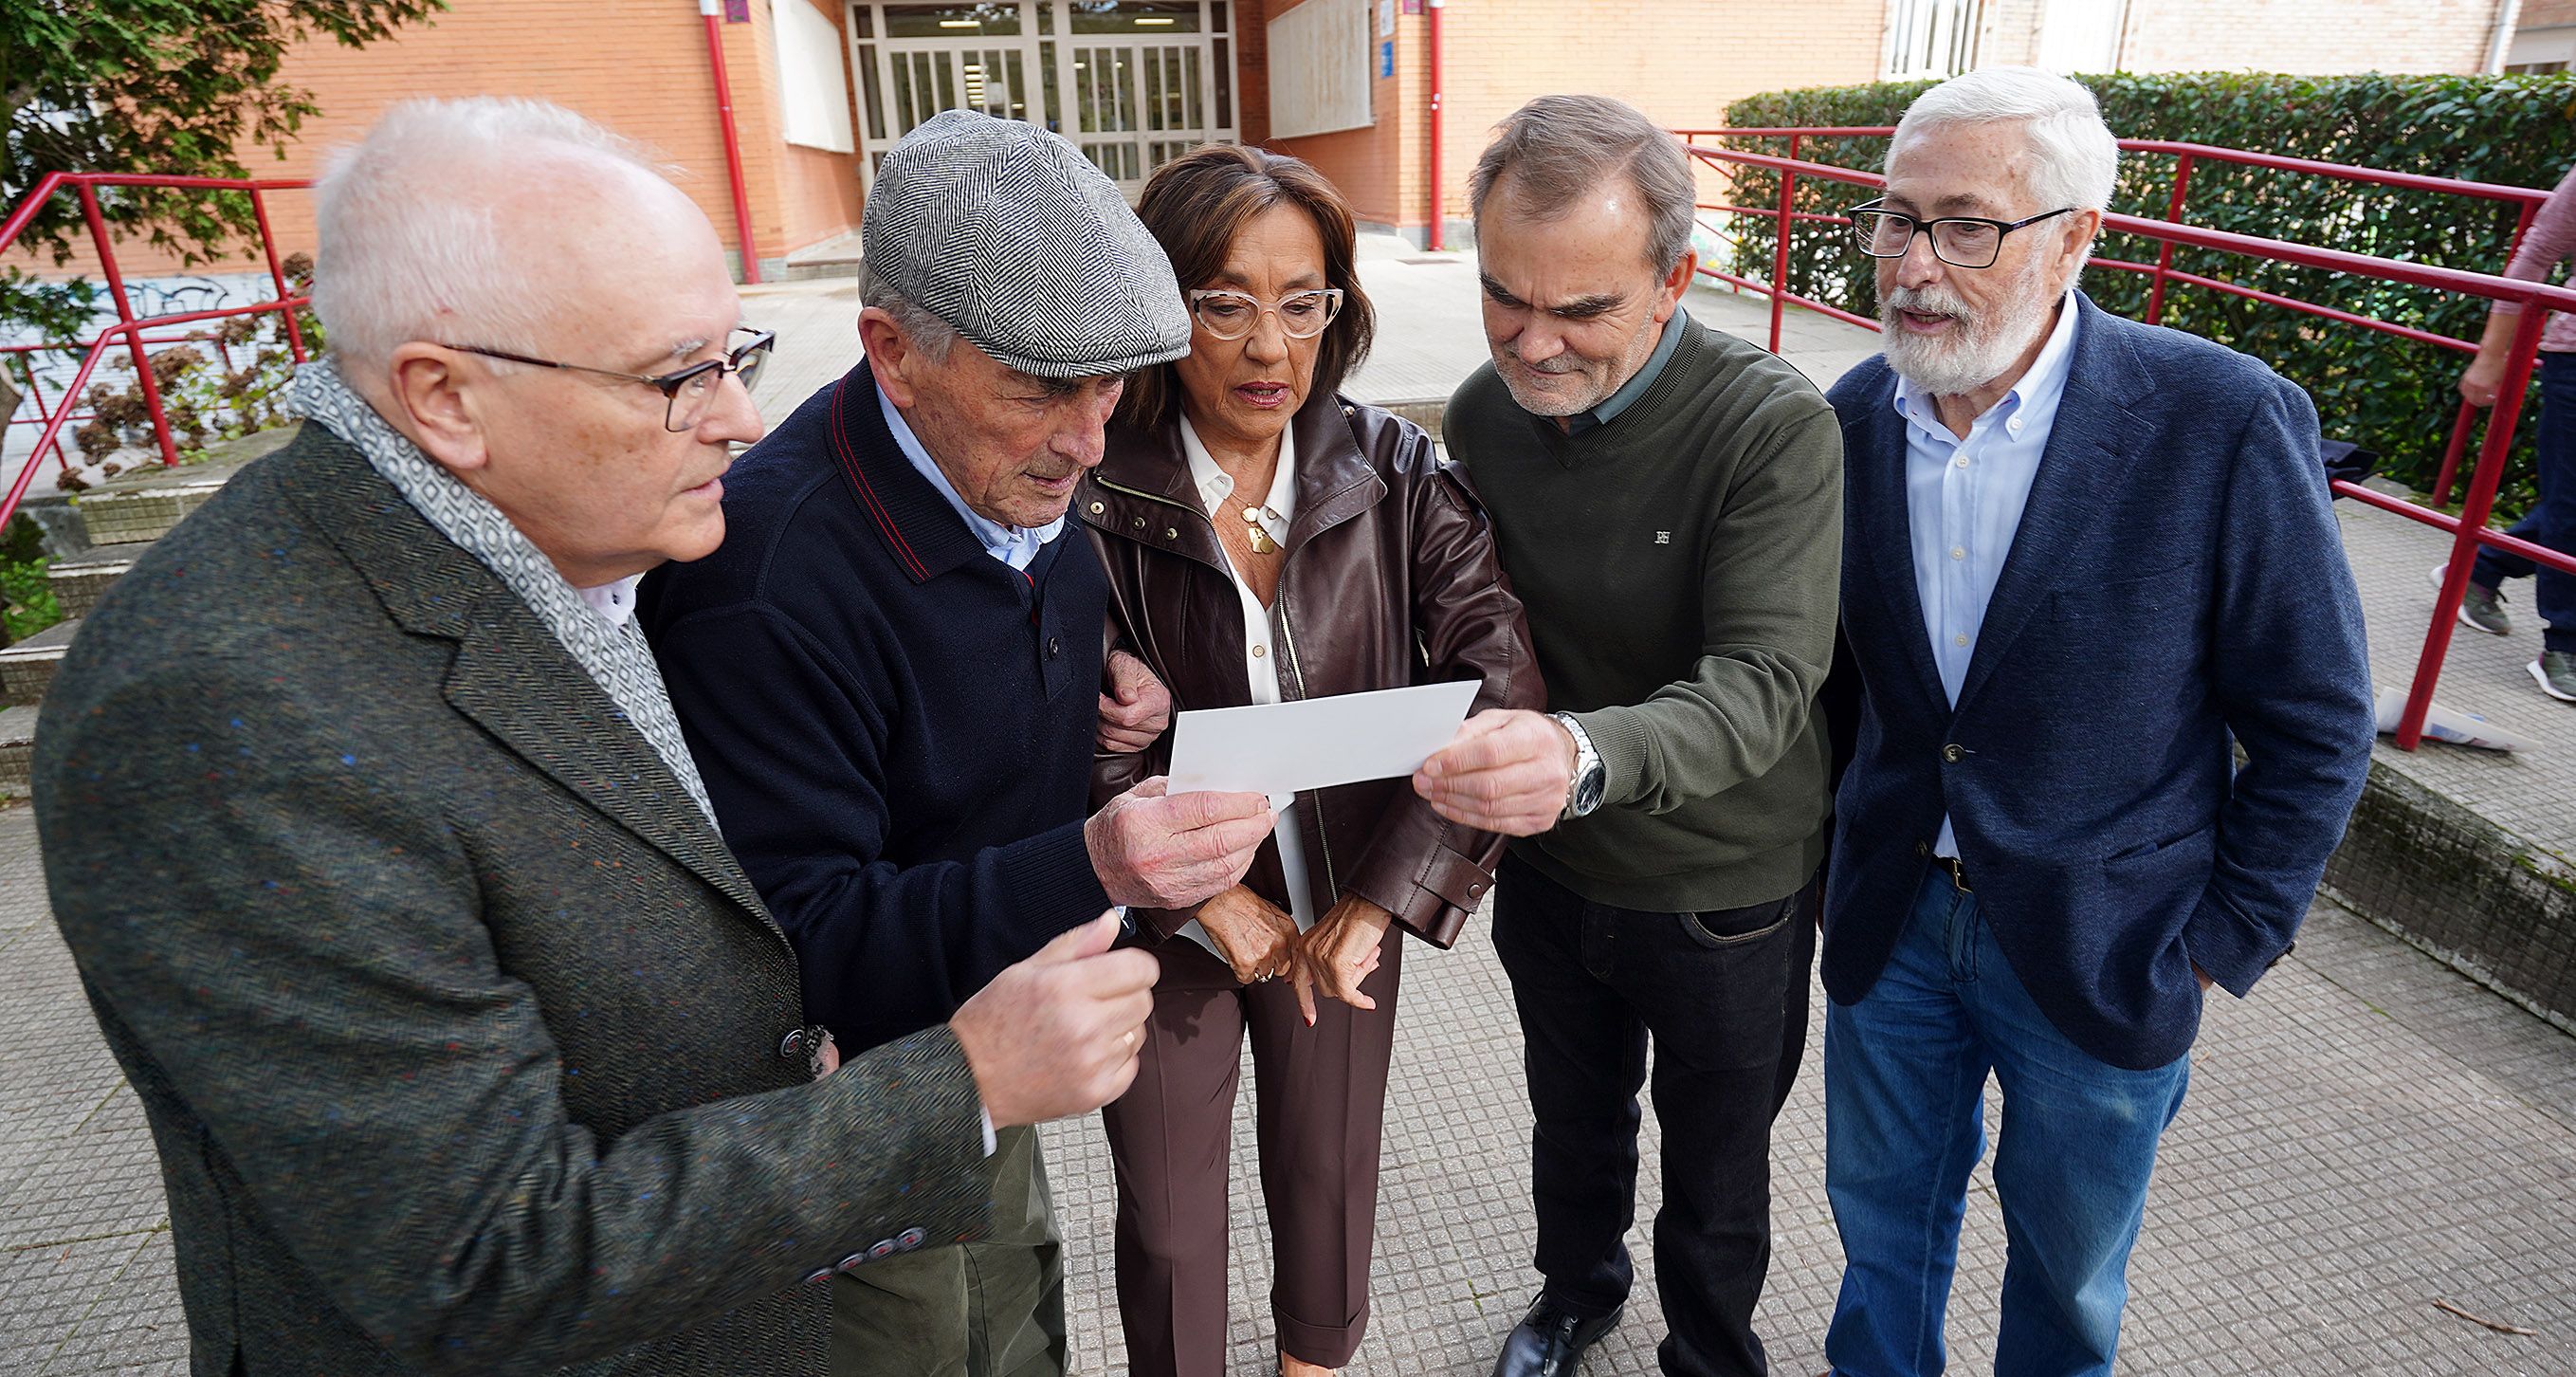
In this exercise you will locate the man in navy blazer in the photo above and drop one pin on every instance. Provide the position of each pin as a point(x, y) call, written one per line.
point(2085, 559)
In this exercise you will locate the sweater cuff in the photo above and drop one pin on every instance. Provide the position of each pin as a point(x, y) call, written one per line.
point(1052, 886)
point(1619, 738)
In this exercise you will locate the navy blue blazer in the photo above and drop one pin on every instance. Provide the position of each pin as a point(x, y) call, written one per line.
point(2177, 584)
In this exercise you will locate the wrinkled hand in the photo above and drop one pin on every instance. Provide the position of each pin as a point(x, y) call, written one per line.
point(1508, 770)
point(1339, 952)
point(1159, 850)
point(2479, 384)
point(1136, 708)
point(1058, 1034)
point(1257, 940)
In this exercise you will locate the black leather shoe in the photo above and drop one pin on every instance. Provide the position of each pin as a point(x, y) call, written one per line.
point(1549, 1341)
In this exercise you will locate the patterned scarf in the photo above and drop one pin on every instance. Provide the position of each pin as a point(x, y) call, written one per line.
point(616, 657)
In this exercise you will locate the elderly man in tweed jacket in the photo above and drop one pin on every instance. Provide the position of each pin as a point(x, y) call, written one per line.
point(467, 1046)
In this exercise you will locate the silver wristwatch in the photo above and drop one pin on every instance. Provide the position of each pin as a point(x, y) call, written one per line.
point(1583, 792)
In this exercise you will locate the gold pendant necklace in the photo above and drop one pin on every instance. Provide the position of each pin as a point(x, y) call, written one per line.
point(1257, 534)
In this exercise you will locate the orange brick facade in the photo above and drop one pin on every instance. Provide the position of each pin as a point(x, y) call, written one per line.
point(637, 66)
point(1681, 61)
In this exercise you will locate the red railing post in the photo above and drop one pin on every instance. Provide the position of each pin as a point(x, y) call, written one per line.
point(37, 394)
point(1780, 245)
point(277, 276)
point(1431, 236)
point(125, 314)
point(707, 10)
point(2473, 521)
point(2164, 256)
point(2460, 427)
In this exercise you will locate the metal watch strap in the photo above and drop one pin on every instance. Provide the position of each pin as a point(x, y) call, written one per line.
point(1587, 762)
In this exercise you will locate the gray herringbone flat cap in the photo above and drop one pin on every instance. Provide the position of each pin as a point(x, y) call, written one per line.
point(1008, 233)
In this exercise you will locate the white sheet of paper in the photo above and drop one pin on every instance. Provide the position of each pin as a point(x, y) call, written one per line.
point(1282, 749)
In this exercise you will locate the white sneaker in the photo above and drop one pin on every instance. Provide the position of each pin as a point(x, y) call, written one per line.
point(2481, 607)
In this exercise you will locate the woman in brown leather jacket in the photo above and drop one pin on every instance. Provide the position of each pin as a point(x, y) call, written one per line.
point(1267, 540)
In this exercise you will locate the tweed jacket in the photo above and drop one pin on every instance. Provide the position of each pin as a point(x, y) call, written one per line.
point(2176, 588)
point(458, 1029)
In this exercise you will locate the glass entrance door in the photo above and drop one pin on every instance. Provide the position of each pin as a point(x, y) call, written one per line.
point(1133, 83)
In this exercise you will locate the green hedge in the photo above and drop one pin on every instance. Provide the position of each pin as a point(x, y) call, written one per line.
point(2390, 394)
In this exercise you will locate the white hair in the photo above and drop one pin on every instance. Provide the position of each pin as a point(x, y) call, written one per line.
point(410, 245)
point(2075, 160)
point(931, 335)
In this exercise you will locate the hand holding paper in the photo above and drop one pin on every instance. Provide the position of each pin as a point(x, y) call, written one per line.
point(1509, 771)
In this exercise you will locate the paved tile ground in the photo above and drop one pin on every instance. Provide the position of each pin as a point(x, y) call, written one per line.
point(2369, 1134)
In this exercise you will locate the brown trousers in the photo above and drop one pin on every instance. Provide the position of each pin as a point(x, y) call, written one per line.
point(1321, 1098)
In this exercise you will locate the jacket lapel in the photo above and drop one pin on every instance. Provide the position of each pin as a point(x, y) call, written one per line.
point(510, 675)
point(1883, 533)
point(2064, 506)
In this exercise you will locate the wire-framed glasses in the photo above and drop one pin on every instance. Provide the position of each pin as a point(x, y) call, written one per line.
point(688, 393)
point(1231, 315)
point(1962, 241)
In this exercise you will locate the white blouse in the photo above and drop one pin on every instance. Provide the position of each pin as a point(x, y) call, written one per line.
point(1260, 656)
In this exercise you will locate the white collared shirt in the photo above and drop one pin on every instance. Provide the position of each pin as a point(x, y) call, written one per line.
point(1260, 656)
point(614, 602)
point(1964, 499)
point(1012, 545)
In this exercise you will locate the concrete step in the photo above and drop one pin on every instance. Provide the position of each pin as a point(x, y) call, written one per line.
point(142, 506)
point(17, 749)
point(837, 256)
point(80, 580)
point(28, 667)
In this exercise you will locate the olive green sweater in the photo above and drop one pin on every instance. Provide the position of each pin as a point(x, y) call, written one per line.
point(1681, 566)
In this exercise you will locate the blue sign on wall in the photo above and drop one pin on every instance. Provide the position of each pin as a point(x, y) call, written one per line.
point(1386, 58)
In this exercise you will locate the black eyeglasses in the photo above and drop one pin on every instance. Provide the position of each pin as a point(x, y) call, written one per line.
point(1962, 241)
point(688, 393)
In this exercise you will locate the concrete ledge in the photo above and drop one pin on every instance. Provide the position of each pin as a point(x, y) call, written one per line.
point(17, 750)
point(2487, 902)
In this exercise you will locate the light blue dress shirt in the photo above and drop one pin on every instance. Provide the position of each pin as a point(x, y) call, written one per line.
point(1012, 545)
point(1635, 387)
point(1964, 500)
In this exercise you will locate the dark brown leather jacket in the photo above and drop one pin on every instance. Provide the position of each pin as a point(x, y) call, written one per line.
point(1390, 578)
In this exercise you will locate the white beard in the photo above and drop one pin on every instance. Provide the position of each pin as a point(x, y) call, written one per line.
point(1982, 349)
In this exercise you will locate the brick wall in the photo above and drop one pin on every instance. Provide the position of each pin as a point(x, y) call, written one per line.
point(1681, 61)
point(637, 66)
point(2309, 37)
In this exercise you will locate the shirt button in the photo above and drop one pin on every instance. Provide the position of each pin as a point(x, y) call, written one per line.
point(1259, 651)
point(1055, 647)
point(1958, 552)
point(1960, 639)
point(1963, 461)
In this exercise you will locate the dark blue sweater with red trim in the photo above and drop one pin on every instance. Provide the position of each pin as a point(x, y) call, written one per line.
point(894, 726)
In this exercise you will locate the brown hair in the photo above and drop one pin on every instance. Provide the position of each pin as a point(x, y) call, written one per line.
point(1194, 207)
point(1557, 147)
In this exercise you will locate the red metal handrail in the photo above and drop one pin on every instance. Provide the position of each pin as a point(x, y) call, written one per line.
point(129, 328)
point(2468, 530)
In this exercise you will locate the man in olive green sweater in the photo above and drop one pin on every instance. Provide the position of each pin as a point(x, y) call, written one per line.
point(1668, 501)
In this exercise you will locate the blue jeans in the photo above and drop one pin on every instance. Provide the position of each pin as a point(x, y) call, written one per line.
point(1905, 1081)
point(2552, 521)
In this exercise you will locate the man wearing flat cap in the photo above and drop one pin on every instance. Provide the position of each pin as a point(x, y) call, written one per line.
point(890, 673)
